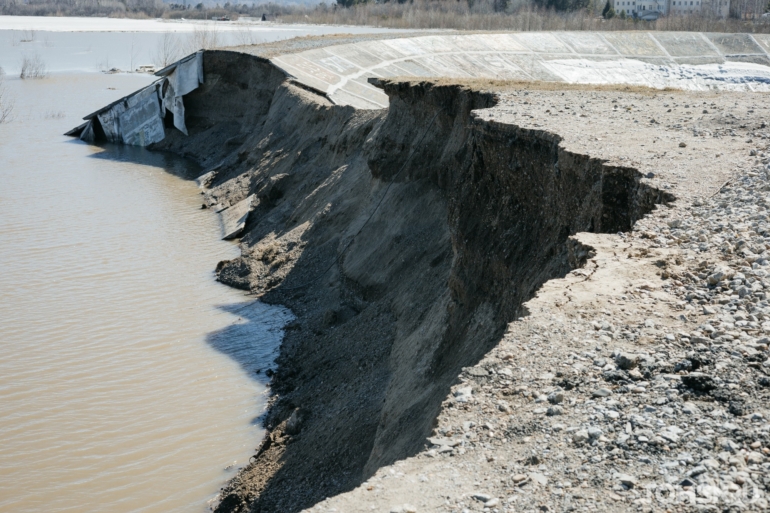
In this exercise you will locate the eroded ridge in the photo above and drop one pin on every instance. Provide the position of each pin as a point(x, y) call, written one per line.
point(419, 241)
point(475, 222)
point(639, 381)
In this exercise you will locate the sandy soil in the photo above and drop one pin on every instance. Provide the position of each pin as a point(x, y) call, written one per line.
point(485, 316)
point(543, 421)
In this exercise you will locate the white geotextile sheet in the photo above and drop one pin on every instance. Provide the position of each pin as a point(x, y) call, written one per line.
point(138, 119)
point(135, 120)
point(185, 78)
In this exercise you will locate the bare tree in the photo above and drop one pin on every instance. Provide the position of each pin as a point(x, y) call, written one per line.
point(133, 54)
point(246, 37)
point(168, 50)
point(33, 67)
point(6, 103)
point(28, 36)
point(203, 37)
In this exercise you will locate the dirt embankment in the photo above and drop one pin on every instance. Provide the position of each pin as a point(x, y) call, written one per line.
point(404, 241)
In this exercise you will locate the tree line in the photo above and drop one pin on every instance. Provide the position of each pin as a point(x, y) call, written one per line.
point(740, 9)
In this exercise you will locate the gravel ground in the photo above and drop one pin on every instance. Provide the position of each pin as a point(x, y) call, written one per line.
point(641, 381)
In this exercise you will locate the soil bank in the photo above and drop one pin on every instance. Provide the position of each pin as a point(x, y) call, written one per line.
point(406, 241)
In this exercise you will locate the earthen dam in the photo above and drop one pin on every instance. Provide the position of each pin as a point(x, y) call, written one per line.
point(403, 226)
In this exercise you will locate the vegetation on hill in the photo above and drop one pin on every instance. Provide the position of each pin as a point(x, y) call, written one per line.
point(746, 15)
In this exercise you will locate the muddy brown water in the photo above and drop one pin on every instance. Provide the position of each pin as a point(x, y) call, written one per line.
point(127, 373)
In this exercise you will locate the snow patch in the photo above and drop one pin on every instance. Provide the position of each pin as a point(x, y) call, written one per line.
point(730, 76)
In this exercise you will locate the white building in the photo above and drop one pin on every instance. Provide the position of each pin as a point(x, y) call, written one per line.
point(653, 9)
point(719, 8)
point(685, 7)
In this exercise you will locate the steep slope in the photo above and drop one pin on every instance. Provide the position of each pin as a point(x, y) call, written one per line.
point(403, 240)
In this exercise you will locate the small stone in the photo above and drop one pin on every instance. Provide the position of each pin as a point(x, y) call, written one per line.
point(708, 491)
point(463, 395)
point(601, 392)
point(556, 398)
point(690, 409)
point(730, 446)
point(478, 372)
point(580, 436)
point(554, 411)
point(699, 381)
point(627, 480)
point(737, 408)
point(482, 497)
point(491, 503)
point(518, 478)
point(683, 145)
point(594, 432)
point(538, 478)
point(626, 361)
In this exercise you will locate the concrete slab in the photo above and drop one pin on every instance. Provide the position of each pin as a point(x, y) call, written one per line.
point(739, 44)
point(635, 44)
point(234, 218)
point(587, 43)
point(341, 71)
point(763, 40)
point(685, 44)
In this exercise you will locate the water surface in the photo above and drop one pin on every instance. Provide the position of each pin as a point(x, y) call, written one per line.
point(128, 375)
point(100, 44)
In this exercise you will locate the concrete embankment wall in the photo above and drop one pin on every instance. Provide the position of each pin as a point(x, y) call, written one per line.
point(403, 240)
point(685, 60)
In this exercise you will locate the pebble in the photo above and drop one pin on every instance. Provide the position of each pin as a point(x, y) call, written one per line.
point(554, 410)
point(556, 398)
point(627, 480)
point(580, 436)
point(594, 432)
point(626, 361)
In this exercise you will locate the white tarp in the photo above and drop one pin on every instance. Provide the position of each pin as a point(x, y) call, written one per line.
point(173, 103)
point(137, 119)
point(134, 120)
point(186, 76)
point(142, 124)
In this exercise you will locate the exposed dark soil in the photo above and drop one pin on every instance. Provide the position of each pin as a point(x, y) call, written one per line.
point(403, 240)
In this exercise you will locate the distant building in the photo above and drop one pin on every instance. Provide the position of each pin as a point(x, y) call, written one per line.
point(654, 9)
point(685, 7)
point(718, 8)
